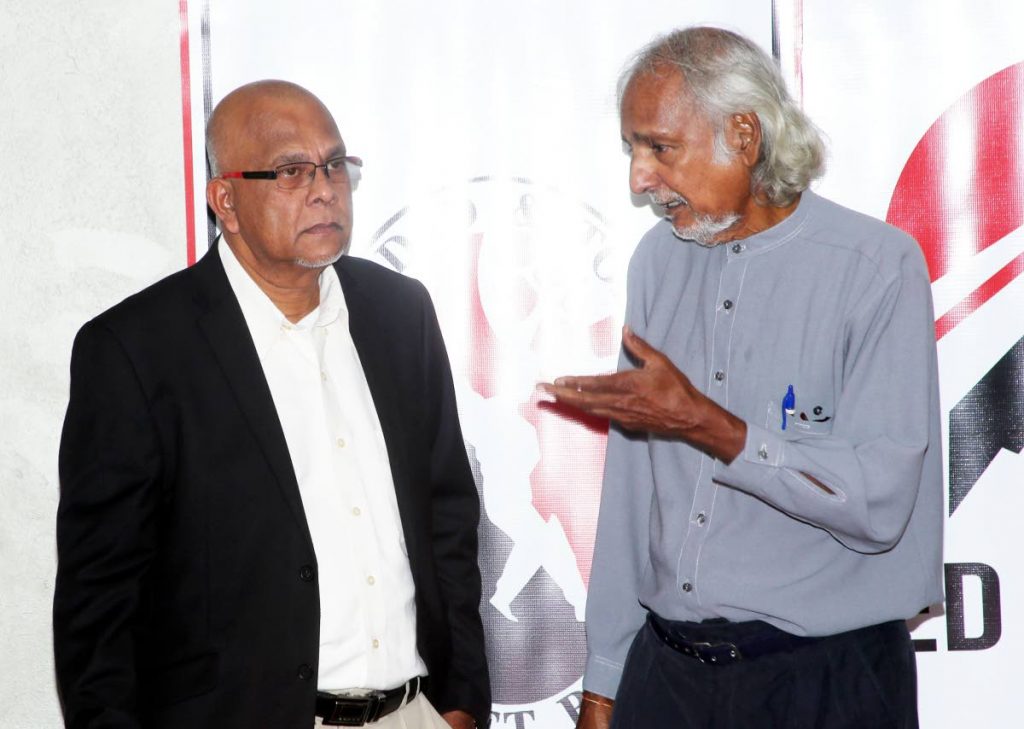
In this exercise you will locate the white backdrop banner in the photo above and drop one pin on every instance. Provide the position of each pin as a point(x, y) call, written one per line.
point(923, 103)
point(495, 175)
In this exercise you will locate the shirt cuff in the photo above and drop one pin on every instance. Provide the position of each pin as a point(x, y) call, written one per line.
point(602, 676)
point(762, 453)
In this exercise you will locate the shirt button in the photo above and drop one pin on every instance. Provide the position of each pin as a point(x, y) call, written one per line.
point(356, 511)
point(701, 519)
point(306, 573)
point(323, 376)
point(762, 452)
point(340, 442)
point(727, 304)
point(737, 248)
point(370, 580)
point(719, 376)
point(376, 643)
point(687, 587)
point(305, 672)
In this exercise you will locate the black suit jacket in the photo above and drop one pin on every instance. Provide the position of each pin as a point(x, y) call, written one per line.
point(187, 591)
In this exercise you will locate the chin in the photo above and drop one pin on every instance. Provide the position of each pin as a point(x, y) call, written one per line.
point(320, 261)
point(705, 230)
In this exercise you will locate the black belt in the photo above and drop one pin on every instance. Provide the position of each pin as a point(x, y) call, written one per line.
point(338, 710)
point(721, 643)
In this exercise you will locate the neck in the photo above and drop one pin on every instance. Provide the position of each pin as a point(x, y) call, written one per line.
point(760, 217)
point(294, 289)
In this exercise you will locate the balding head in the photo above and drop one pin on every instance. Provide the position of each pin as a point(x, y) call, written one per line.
point(247, 111)
point(283, 230)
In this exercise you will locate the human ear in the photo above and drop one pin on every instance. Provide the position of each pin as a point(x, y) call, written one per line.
point(220, 196)
point(744, 134)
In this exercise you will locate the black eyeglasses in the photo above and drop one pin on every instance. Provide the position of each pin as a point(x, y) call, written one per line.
point(340, 171)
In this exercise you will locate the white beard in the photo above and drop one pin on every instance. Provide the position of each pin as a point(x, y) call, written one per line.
point(705, 229)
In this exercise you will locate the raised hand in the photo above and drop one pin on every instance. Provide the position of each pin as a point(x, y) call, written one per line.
point(655, 397)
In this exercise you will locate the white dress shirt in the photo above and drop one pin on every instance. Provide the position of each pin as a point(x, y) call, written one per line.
point(367, 608)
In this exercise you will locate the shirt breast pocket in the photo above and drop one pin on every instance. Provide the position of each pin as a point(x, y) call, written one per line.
point(800, 411)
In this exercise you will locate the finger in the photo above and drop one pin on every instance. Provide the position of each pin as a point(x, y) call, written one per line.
point(594, 383)
point(606, 406)
point(587, 401)
point(636, 345)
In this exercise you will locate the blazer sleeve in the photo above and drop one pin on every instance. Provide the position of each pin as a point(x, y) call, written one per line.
point(456, 514)
point(109, 465)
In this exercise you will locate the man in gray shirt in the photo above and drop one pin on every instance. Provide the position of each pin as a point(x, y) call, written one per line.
point(772, 504)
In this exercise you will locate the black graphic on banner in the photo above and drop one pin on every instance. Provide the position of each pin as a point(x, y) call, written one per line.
point(989, 418)
point(956, 629)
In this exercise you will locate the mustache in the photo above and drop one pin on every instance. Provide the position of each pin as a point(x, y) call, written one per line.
point(665, 199)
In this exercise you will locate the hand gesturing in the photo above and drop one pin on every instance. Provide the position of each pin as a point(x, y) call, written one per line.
point(654, 398)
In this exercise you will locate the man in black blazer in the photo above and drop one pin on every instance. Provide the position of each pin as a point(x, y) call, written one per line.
point(189, 582)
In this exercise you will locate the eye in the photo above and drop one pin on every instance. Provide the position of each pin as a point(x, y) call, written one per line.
point(659, 148)
point(336, 164)
point(293, 170)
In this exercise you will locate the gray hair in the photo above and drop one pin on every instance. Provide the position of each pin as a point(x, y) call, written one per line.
point(212, 160)
point(728, 74)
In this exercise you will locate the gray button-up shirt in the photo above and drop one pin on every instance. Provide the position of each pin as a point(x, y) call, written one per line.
point(819, 334)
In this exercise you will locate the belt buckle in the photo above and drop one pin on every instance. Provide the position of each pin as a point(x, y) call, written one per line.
point(710, 653)
point(355, 711)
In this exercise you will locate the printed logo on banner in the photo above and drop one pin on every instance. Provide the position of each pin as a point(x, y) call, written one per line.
point(960, 196)
point(520, 280)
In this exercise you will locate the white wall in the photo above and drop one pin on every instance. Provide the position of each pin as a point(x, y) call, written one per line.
point(91, 209)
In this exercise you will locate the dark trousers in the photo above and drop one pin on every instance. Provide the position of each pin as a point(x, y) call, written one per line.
point(863, 679)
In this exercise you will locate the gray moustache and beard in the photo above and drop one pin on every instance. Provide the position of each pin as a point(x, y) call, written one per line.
point(703, 230)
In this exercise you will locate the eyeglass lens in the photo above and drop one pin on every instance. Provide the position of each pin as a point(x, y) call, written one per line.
point(340, 172)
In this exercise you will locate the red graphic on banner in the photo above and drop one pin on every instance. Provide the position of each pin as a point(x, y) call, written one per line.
point(949, 215)
point(482, 353)
point(186, 124)
point(566, 482)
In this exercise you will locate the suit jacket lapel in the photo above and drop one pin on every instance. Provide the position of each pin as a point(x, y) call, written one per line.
point(224, 327)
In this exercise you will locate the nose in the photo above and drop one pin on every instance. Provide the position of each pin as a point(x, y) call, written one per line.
point(320, 188)
point(641, 174)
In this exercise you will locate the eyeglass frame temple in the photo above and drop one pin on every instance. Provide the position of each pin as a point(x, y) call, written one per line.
point(272, 174)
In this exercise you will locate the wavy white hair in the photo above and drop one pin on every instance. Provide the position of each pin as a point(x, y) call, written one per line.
point(728, 74)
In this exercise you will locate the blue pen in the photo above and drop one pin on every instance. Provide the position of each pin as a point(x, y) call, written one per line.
point(788, 405)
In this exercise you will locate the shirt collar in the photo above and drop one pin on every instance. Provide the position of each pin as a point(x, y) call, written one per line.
point(776, 235)
point(265, 321)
